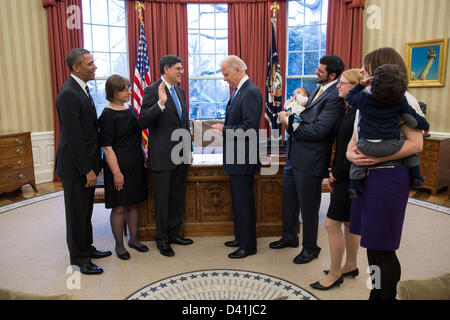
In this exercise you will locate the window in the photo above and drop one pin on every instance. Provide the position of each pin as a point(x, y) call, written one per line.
point(105, 36)
point(208, 46)
point(307, 27)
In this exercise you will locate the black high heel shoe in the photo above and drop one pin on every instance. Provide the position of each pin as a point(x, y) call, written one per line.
point(352, 273)
point(318, 286)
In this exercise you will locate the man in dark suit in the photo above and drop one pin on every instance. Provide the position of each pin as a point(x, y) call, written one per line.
point(240, 152)
point(78, 159)
point(163, 111)
point(311, 140)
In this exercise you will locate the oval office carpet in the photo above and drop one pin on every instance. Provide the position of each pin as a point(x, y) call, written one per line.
point(35, 260)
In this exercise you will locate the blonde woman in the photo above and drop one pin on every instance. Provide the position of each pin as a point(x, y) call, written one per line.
point(339, 209)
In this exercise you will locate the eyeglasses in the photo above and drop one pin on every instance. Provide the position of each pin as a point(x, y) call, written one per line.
point(180, 69)
point(342, 82)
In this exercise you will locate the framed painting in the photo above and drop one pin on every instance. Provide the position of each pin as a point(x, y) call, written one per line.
point(426, 62)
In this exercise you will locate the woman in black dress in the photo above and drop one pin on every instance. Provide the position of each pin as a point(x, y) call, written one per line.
point(339, 209)
point(123, 163)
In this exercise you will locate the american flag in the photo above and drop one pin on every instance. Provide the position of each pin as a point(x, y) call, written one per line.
point(141, 76)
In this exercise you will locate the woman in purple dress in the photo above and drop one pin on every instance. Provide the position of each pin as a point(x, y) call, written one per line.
point(378, 215)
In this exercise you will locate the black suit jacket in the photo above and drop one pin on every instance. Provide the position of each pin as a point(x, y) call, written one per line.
point(79, 149)
point(243, 113)
point(310, 149)
point(161, 124)
point(343, 132)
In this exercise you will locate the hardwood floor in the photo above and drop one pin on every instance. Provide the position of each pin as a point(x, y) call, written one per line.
point(27, 192)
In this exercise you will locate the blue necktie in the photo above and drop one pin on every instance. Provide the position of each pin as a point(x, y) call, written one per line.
point(232, 95)
point(175, 100)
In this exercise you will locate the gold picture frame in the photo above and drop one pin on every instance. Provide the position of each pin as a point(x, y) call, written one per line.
point(426, 62)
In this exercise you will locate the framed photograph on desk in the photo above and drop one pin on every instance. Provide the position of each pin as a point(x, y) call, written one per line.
point(426, 62)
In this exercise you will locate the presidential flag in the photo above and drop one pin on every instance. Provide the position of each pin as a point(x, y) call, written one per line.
point(274, 89)
point(141, 76)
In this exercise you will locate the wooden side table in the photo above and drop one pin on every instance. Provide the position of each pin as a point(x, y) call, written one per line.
point(435, 163)
point(16, 161)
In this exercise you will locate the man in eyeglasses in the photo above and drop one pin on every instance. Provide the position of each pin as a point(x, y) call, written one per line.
point(164, 111)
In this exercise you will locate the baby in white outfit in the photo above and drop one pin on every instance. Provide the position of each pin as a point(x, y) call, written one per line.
point(297, 104)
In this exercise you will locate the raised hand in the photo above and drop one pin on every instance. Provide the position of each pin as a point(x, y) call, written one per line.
point(162, 93)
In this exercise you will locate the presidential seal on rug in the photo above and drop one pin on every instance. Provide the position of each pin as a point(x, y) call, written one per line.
point(222, 284)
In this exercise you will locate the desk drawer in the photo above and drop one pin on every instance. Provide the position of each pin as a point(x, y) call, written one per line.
point(16, 141)
point(15, 164)
point(13, 180)
point(22, 151)
point(430, 145)
point(429, 155)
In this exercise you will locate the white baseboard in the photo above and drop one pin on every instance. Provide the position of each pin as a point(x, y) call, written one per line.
point(43, 145)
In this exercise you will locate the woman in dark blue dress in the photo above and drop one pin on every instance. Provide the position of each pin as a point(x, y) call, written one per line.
point(123, 162)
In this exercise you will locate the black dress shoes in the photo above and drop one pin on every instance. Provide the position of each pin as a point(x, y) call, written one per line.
point(124, 256)
point(280, 244)
point(318, 286)
point(90, 268)
point(241, 253)
point(232, 244)
point(181, 241)
point(164, 248)
point(306, 256)
point(352, 273)
point(141, 248)
point(97, 254)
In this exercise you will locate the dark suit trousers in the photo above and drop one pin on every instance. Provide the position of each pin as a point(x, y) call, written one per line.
point(78, 202)
point(169, 194)
point(309, 195)
point(244, 215)
point(290, 208)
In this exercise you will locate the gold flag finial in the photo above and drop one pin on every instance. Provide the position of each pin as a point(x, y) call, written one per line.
point(139, 7)
point(274, 7)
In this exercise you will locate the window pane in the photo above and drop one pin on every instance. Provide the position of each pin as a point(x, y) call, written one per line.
point(207, 16)
point(324, 11)
point(291, 85)
point(312, 12)
point(87, 37)
point(323, 37)
point(219, 59)
point(311, 62)
point(309, 84)
point(295, 38)
point(100, 38)
point(222, 41)
point(99, 12)
point(205, 65)
point(221, 17)
point(86, 11)
point(295, 64)
point(119, 64)
point(193, 42)
point(118, 39)
point(295, 13)
point(193, 21)
point(101, 60)
point(222, 91)
point(207, 41)
point(312, 38)
point(116, 12)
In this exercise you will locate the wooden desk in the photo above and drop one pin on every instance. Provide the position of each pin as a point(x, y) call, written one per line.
point(16, 161)
point(208, 210)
